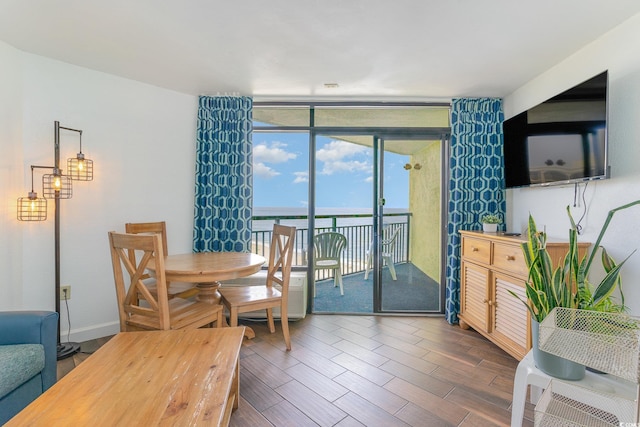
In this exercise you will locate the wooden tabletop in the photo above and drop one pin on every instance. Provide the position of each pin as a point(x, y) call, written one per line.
point(210, 266)
point(183, 377)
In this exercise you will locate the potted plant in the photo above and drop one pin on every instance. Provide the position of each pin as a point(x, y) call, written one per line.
point(490, 223)
point(568, 285)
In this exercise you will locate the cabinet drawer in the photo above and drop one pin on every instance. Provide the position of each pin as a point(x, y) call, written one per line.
point(476, 249)
point(509, 258)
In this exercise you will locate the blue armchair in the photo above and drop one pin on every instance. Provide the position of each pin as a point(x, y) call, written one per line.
point(28, 357)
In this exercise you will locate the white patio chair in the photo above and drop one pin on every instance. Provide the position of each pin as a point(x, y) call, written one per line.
point(387, 249)
point(327, 250)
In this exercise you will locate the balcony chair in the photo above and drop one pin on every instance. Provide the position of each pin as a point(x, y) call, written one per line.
point(174, 289)
point(327, 252)
point(243, 299)
point(157, 311)
point(387, 249)
point(28, 353)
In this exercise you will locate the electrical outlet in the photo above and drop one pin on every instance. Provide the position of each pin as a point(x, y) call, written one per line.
point(65, 292)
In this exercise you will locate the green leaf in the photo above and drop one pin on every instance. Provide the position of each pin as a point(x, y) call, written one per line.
point(607, 262)
point(604, 229)
point(526, 304)
point(608, 284)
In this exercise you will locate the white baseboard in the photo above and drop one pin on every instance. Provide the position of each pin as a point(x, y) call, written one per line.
point(91, 332)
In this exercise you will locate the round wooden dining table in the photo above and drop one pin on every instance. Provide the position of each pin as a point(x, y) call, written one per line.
point(208, 269)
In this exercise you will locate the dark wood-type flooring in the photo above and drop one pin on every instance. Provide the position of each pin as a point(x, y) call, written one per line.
point(368, 371)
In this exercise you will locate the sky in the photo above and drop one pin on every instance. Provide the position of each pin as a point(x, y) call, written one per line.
point(344, 173)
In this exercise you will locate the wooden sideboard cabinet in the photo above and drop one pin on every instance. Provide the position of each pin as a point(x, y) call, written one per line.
point(493, 264)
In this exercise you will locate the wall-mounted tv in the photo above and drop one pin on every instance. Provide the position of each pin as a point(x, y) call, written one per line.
point(560, 141)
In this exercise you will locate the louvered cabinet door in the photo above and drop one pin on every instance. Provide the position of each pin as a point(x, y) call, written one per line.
point(509, 324)
point(474, 308)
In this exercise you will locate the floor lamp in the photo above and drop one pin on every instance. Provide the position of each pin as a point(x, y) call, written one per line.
point(56, 186)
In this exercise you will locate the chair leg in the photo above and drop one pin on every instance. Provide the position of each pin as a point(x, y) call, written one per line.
point(392, 270)
point(339, 278)
point(392, 267)
point(272, 326)
point(219, 321)
point(519, 396)
point(284, 320)
point(233, 317)
point(527, 376)
point(367, 266)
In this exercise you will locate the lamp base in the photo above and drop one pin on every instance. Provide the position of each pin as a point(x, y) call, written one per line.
point(67, 349)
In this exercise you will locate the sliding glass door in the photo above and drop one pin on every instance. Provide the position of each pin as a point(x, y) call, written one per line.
point(373, 190)
point(408, 218)
point(374, 193)
point(343, 223)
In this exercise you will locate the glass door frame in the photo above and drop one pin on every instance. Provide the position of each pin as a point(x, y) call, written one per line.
point(378, 214)
point(378, 219)
point(381, 132)
point(379, 136)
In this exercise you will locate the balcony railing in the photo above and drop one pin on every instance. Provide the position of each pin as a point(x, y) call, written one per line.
point(357, 228)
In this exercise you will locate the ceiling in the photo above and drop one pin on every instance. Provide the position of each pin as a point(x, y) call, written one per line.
point(289, 49)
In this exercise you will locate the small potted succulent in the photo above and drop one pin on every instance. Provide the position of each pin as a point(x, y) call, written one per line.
point(490, 223)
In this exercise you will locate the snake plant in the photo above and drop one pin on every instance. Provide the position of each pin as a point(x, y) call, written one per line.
point(568, 284)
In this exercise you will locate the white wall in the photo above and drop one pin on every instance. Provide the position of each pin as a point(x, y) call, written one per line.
point(11, 176)
point(619, 52)
point(142, 141)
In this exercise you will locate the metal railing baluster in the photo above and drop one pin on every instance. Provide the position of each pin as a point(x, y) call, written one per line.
point(359, 237)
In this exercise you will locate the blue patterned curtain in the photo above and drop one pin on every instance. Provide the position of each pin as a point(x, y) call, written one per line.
point(476, 183)
point(224, 175)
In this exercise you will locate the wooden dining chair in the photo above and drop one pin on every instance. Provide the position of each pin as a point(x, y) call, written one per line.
point(138, 307)
point(174, 289)
point(251, 298)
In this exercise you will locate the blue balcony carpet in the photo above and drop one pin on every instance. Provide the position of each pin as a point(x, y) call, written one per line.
point(413, 291)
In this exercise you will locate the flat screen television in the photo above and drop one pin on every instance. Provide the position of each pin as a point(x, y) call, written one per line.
point(563, 140)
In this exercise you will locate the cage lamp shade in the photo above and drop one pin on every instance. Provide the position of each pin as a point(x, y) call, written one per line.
point(80, 168)
point(32, 208)
point(55, 185)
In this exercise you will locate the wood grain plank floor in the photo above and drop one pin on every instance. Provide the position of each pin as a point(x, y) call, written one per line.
point(368, 371)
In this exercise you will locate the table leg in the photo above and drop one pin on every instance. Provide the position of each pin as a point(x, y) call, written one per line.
point(208, 292)
point(248, 331)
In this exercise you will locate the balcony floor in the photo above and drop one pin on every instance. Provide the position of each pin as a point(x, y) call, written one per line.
point(414, 291)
